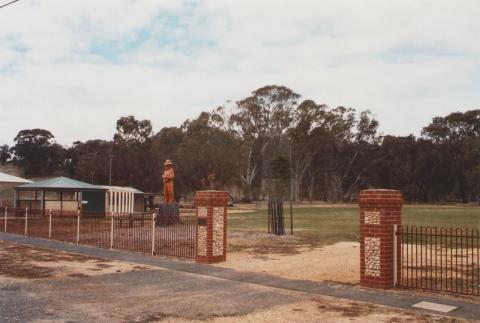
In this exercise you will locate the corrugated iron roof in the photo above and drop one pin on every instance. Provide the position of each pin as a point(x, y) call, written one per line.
point(123, 189)
point(5, 178)
point(62, 183)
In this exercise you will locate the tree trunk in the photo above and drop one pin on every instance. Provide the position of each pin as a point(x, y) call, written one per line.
point(311, 188)
point(249, 176)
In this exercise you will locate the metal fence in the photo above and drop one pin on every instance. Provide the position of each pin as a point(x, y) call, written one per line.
point(95, 231)
point(176, 239)
point(134, 232)
point(138, 232)
point(276, 217)
point(440, 259)
point(14, 220)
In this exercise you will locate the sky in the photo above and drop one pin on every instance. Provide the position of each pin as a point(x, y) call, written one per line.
point(75, 66)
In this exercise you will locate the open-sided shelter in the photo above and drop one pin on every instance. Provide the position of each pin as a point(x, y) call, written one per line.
point(69, 195)
point(61, 194)
point(124, 200)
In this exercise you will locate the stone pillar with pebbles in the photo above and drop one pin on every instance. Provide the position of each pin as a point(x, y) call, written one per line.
point(211, 229)
point(380, 210)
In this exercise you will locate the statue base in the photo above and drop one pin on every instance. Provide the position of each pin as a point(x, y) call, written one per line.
point(167, 214)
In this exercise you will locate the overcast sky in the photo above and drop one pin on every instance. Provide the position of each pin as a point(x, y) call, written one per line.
point(75, 66)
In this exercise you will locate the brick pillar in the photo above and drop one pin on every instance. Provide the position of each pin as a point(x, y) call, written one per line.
point(211, 229)
point(380, 210)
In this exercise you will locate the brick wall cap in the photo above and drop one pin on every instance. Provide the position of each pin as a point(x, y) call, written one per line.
point(211, 197)
point(211, 193)
point(379, 192)
point(380, 198)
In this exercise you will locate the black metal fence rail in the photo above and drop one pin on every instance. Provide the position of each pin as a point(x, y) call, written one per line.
point(177, 239)
point(276, 218)
point(133, 232)
point(279, 217)
point(440, 259)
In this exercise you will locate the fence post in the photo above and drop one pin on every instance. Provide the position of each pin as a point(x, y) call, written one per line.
point(26, 221)
point(395, 254)
point(111, 232)
point(6, 216)
point(269, 222)
point(153, 233)
point(78, 227)
point(50, 224)
point(291, 218)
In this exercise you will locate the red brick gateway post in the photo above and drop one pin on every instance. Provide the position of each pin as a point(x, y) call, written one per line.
point(211, 232)
point(380, 214)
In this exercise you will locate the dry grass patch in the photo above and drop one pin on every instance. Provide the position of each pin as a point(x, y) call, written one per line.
point(22, 262)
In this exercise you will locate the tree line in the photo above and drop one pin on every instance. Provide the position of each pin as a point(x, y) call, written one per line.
point(309, 151)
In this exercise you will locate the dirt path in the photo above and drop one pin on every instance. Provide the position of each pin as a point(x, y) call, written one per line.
point(20, 263)
point(293, 257)
point(326, 309)
point(339, 262)
point(47, 291)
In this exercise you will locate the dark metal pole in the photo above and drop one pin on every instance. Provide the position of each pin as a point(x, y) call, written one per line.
point(110, 176)
point(283, 219)
point(269, 210)
point(291, 218)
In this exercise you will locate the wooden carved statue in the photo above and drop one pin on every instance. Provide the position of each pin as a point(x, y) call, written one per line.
point(168, 177)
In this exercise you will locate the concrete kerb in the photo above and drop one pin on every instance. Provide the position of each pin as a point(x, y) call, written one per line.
point(395, 299)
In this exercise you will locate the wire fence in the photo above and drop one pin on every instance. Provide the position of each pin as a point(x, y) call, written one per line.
point(95, 231)
point(14, 220)
point(139, 232)
point(6, 202)
point(440, 259)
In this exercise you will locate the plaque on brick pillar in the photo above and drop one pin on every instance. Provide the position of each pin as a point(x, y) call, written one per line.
point(380, 211)
point(211, 228)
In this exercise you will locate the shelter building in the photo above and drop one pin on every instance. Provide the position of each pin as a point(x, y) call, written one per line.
point(7, 185)
point(61, 193)
point(124, 200)
point(70, 196)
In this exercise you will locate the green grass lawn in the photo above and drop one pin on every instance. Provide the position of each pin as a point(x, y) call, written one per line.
point(342, 223)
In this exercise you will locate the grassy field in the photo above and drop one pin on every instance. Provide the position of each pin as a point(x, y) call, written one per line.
point(342, 223)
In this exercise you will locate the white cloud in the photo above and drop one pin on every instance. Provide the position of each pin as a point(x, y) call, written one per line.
point(75, 67)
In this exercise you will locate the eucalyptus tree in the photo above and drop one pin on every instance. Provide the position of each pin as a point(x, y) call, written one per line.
point(260, 121)
point(205, 149)
point(36, 151)
point(342, 139)
point(89, 161)
point(131, 153)
point(131, 131)
point(457, 139)
point(5, 154)
point(306, 138)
